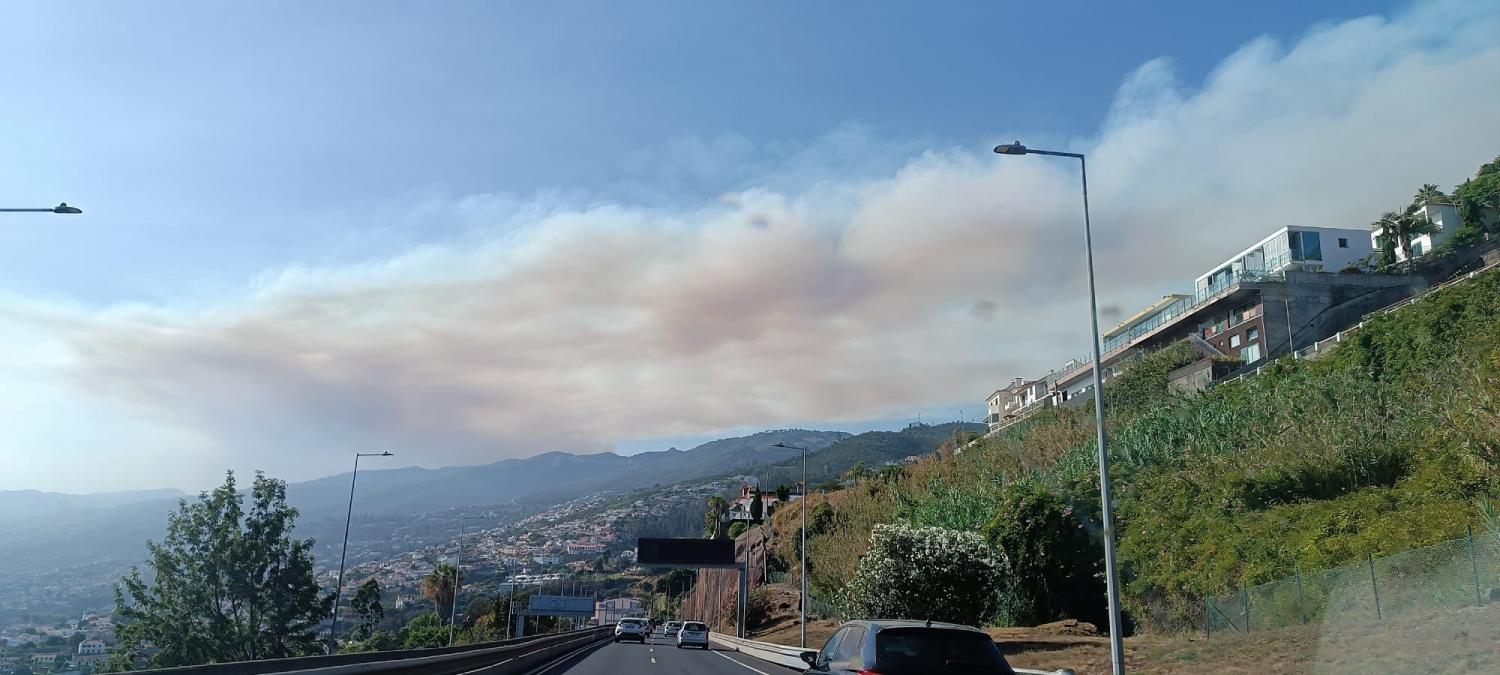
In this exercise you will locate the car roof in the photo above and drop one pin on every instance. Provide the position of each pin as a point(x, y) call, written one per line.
point(882, 624)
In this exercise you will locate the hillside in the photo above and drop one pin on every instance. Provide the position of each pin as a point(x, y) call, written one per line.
point(1389, 443)
point(551, 476)
point(29, 504)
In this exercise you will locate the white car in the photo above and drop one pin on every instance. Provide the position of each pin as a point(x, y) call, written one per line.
point(631, 629)
point(693, 634)
point(672, 628)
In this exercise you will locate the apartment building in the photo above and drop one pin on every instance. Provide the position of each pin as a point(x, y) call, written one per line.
point(1282, 292)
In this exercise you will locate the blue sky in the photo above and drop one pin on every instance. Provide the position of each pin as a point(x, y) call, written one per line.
point(332, 219)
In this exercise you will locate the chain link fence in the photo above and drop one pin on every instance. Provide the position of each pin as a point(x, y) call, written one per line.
point(1458, 573)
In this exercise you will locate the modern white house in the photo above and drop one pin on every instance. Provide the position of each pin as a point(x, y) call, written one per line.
point(1445, 221)
point(1312, 249)
point(91, 647)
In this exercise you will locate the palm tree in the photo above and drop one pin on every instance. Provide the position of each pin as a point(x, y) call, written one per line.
point(717, 507)
point(1403, 226)
point(438, 587)
point(1429, 194)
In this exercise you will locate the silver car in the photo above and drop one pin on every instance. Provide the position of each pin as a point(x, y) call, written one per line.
point(693, 634)
point(672, 628)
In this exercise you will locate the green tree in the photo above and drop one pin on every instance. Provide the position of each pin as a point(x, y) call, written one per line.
point(1058, 566)
point(1429, 194)
point(227, 585)
point(783, 493)
point(713, 520)
point(737, 528)
point(427, 630)
point(437, 586)
point(366, 605)
point(757, 507)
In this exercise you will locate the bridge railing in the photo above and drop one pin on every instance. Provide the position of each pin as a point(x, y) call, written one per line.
point(519, 654)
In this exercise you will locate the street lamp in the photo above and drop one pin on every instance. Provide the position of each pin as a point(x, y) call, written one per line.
point(458, 562)
point(1112, 577)
point(60, 208)
point(803, 604)
point(333, 632)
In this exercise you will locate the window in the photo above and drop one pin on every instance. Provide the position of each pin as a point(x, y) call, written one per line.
point(831, 648)
point(1416, 249)
point(1251, 353)
point(1253, 334)
point(1234, 341)
point(1305, 246)
point(931, 650)
point(1343, 242)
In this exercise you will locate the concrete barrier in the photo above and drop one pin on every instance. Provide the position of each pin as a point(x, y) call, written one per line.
point(519, 654)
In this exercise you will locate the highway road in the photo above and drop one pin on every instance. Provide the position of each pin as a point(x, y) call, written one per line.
point(660, 656)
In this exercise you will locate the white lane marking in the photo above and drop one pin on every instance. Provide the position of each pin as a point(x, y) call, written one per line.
point(653, 659)
point(738, 663)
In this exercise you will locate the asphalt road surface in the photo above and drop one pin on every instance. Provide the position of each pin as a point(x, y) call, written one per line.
point(660, 656)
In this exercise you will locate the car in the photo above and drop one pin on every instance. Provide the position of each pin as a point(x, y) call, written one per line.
point(693, 634)
point(631, 628)
point(905, 647)
point(672, 628)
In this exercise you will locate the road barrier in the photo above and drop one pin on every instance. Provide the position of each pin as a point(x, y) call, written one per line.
point(791, 657)
point(499, 658)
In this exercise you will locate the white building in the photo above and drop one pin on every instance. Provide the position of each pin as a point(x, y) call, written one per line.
point(610, 611)
point(1445, 221)
point(91, 647)
point(1314, 249)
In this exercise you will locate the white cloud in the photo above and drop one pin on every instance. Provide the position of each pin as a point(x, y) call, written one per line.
point(820, 291)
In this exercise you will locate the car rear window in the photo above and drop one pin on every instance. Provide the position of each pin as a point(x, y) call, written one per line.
point(694, 626)
point(906, 651)
point(630, 622)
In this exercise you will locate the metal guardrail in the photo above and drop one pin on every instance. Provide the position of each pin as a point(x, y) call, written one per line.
point(515, 655)
point(791, 657)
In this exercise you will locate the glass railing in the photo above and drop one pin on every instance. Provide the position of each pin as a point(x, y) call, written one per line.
point(1273, 270)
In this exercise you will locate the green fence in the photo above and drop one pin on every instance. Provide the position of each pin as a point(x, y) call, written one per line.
point(1457, 573)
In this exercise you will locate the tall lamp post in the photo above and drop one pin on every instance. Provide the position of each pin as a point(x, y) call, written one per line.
point(1112, 577)
point(60, 208)
point(338, 591)
point(803, 608)
point(458, 562)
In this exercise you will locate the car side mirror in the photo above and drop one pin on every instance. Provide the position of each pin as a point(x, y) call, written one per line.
point(811, 658)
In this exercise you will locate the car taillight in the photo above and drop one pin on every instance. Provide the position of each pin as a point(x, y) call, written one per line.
point(869, 672)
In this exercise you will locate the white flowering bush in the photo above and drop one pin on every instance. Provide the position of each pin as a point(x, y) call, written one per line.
point(928, 573)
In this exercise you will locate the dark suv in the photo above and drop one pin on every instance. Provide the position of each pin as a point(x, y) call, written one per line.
point(896, 647)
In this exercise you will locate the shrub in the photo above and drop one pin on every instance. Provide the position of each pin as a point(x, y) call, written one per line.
point(928, 573)
point(1057, 562)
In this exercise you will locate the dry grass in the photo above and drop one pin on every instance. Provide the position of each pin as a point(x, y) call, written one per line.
point(1449, 642)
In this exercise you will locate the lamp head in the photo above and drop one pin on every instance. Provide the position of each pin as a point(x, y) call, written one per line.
point(1010, 149)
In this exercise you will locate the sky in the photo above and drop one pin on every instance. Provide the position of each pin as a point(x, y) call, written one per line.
point(469, 231)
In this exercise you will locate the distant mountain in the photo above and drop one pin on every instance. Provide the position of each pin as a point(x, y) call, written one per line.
point(552, 476)
point(28, 504)
point(873, 448)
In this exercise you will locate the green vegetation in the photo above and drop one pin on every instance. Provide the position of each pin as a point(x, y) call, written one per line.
point(366, 606)
point(227, 584)
point(928, 573)
point(1386, 444)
